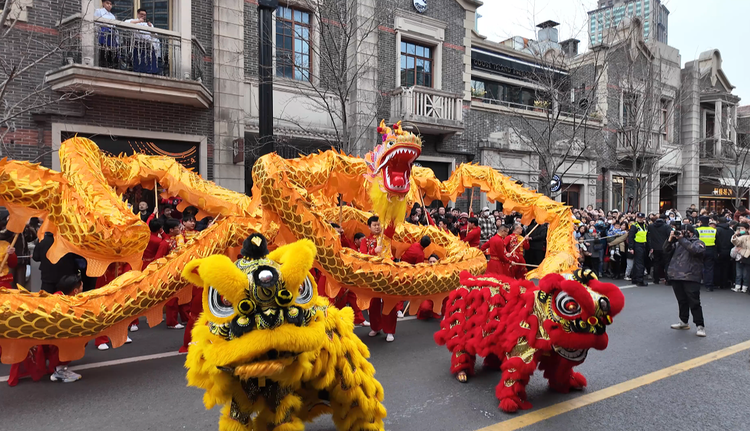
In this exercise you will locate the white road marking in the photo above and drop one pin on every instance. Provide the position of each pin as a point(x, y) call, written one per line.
point(115, 362)
point(629, 286)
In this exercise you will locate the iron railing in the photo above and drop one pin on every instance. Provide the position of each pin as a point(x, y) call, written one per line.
point(123, 46)
point(142, 51)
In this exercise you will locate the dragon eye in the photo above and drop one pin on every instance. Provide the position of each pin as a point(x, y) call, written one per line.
point(305, 292)
point(566, 305)
point(218, 305)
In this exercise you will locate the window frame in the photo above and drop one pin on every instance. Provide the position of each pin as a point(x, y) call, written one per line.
point(405, 55)
point(137, 5)
point(295, 35)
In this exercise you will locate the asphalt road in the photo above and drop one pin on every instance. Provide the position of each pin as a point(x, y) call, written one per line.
point(420, 393)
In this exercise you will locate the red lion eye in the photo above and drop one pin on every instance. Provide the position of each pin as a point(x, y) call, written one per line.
point(567, 305)
point(224, 301)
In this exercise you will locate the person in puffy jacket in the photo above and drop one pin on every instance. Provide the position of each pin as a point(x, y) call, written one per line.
point(724, 262)
point(685, 272)
point(741, 252)
point(658, 232)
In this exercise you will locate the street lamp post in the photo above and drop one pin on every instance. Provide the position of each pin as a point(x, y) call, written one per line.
point(265, 65)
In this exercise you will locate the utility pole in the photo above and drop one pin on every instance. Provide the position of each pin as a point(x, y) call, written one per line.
point(265, 65)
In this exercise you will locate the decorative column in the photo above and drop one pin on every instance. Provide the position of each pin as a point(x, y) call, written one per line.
point(229, 75)
point(717, 128)
point(690, 132)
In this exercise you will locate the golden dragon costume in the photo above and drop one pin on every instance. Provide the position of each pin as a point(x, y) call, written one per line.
point(272, 352)
point(291, 200)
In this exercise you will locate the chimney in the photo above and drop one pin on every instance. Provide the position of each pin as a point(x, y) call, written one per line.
point(548, 31)
point(570, 47)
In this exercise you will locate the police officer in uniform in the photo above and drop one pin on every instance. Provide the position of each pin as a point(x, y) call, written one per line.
point(637, 241)
point(707, 234)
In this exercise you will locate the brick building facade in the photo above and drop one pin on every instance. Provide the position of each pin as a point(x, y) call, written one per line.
point(531, 109)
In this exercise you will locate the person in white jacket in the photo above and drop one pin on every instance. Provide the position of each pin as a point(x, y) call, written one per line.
point(741, 254)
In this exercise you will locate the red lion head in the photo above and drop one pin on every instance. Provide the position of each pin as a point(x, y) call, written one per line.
point(575, 315)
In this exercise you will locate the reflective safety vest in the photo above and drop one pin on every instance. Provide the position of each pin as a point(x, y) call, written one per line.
point(640, 236)
point(707, 235)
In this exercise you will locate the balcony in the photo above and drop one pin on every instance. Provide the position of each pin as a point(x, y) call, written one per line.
point(431, 111)
point(715, 155)
point(638, 144)
point(114, 58)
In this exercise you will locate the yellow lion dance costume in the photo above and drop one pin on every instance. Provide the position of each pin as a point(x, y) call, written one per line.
point(271, 351)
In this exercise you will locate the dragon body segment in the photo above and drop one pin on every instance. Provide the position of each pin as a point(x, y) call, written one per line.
point(517, 327)
point(292, 199)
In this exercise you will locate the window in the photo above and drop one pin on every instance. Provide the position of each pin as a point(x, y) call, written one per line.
point(158, 11)
point(665, 118)
point(514, 96)
point(292, 43)
point(416, 65)
point(629, 109)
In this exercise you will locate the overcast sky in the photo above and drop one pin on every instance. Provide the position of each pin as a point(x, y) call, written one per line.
point(694, 27)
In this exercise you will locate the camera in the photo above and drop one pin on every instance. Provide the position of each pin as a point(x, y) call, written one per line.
point(678, 233)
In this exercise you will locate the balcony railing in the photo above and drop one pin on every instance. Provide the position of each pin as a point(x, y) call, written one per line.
point(638, 142)
point(130, 47)
point(428, 106)
point(710, 149)
point(126, 60)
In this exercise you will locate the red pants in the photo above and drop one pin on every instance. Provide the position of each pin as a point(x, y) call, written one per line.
point(349, 298)
point(173, 309)
point(35, 364)
point(425, 310)
point(196, 308)
point(378, 321)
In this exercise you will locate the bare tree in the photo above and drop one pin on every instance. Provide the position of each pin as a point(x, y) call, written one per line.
point(641, 101)
point(732, 164)
point(26, 58)
point(562, 127)
point(345, 46)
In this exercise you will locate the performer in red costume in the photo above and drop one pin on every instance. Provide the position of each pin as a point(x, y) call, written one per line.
point(498, 264)
point(473, 232)
point(515, 252)
point(378, 321)
point(6, 273)
point(44, 359)
point(171, 235)
point(346, 297)
point(425, 308)
point(114, 270)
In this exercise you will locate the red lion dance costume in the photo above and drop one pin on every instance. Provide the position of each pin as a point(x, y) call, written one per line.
point(518, 327)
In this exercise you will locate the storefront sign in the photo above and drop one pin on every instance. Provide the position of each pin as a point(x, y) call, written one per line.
point(186, 153)
point(482, 60)
point(720, 191)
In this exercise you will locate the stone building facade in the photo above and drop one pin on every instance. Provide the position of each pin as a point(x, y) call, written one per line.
point(531, 109)
point(167, 110)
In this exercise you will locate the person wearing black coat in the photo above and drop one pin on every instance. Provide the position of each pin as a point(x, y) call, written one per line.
point(53, 272)
point(658, 232)
point(685, 274)
point(537, 244)
point(723, 260)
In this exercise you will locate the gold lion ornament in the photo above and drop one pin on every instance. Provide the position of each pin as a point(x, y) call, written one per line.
point(272, 352)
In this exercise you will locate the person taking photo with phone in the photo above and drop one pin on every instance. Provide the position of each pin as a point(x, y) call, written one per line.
point(685, 272)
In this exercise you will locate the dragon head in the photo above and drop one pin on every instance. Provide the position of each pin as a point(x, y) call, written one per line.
point(576, 311)
point(260, 313)
point(390, 163)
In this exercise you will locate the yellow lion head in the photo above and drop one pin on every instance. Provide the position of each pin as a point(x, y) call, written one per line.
point(259, 314)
